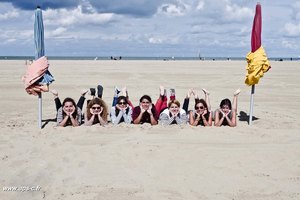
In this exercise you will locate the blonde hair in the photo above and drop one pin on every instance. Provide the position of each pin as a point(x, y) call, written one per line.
point(173, 102)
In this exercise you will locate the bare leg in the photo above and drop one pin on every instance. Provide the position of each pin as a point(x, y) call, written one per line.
point(196, 96)
point(56, 99)
point(206, 93)
point(125, 92)
point(234, 103)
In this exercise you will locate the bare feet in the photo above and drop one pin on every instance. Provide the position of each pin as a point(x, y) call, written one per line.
point(55, 93)
point(205, 91)
point(189, 94)
point(237, 92)
point(195, 94)
point(161, 90)
point(83, 92)
point(124, 91)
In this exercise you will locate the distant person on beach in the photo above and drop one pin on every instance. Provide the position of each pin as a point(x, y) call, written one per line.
point(96, 112)
point(68, 113)
point(145, 112)
point(226, 114)
point(173, 114)
point(201, 115)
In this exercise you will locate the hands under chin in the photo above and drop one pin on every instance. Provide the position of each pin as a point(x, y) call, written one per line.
point(149, 111)
point(204, 113)
point(175, 114)
point(123, 108)
point(69, 113)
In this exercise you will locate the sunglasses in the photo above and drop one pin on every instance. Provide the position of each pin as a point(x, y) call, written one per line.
point(122, 103)
point(96, 108)
point(199, 107)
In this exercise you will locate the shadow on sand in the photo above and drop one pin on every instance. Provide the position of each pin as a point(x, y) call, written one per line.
point(244, 117)
point(46, 121)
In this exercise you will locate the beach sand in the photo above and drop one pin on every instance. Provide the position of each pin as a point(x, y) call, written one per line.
point(259, 162)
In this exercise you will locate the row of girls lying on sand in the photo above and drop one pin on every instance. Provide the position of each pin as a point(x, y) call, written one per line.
point(163, 112)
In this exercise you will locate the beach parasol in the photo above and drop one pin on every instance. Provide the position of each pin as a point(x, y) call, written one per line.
point(257, 60)
point(47, 78)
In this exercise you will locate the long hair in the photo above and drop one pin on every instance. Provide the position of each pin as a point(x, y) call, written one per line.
point(68, 99)
point(205, 106)
point(225, 102)
point(200, 101)
point(99, 102)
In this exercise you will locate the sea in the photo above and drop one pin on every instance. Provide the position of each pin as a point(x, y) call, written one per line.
point(141, 58)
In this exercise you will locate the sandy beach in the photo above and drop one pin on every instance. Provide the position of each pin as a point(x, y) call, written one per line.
point(258, 162)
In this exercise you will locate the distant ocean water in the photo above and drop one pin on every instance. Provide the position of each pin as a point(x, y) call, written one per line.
point(138, 58)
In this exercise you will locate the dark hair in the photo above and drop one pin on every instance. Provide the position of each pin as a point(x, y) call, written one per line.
point(118, 101)
point(146, 97)
point(200, 101)
point(225, 102)
point(68, 99)
point(122, 98)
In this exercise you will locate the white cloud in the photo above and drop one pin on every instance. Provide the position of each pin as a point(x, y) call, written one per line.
point(64, 17)
point(16, 37)
point(163, 39)
point(292, 29)
point(178, 9)
point(9, 15)
point(297, 10)
point(154, 40)
point(200, 5)
point(11, 40)
point(59, 32)
point(237, 13)
point(290, 44)
point(214, 26)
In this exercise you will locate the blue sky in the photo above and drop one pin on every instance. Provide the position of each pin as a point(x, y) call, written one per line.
point(180, 28)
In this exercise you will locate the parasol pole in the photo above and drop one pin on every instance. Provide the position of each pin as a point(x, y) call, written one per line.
point(251, 104)
point(40, 110)
point(39, 43)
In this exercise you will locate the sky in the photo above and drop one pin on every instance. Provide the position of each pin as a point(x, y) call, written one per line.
point(155, 28)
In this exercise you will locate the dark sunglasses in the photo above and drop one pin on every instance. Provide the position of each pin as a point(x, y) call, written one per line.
point(225, 107)
point(96, 108)
point(199, 107)
point(122, 103)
